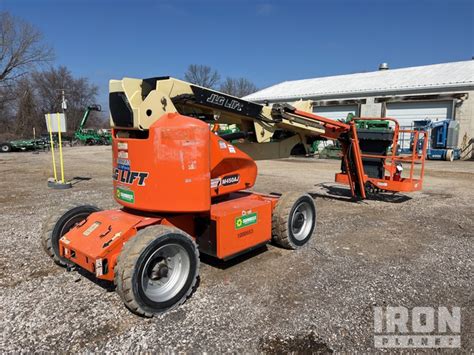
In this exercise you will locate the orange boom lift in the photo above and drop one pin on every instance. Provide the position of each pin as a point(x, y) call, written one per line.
point(185, 190)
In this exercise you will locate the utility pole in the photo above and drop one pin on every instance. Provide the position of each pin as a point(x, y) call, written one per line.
point(63, 101)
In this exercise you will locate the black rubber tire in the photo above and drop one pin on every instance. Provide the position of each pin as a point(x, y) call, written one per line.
point(58, 225)
point(5, 148)
point(133, 258)
point(281, 220)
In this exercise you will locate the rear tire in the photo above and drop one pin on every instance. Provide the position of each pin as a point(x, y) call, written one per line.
point(449, 155)
point(5, 148)
point(293, 220)
point(59, 224)
point(157, 270)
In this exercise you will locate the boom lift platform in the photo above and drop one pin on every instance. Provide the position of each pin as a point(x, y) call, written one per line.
point(185, 190)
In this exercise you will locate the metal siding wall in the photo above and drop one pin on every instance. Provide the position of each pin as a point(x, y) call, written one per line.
point(335, 112)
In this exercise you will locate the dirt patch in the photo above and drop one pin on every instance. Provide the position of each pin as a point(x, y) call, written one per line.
point(300, 344)
point(401, 250)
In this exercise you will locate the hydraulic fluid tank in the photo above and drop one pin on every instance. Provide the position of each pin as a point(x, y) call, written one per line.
point(166, 170)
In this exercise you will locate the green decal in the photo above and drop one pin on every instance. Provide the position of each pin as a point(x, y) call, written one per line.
point(125, 195)
point(247, 220)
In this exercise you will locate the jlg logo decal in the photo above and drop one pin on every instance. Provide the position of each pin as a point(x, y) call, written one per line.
point(129, 177)
point(224, 101)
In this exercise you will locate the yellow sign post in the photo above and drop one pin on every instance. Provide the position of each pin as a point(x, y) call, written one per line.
point(55, 126)
point(52, 146)
point(61, 163)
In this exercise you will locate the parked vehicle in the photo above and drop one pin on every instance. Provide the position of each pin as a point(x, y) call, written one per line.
point(442, 139)
point(92, 136)
point(23, 145)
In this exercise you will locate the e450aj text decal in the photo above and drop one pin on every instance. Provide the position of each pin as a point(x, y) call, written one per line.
point(230, 180)
point(129, 177)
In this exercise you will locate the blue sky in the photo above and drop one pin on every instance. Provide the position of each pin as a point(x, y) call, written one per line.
point(264, 41)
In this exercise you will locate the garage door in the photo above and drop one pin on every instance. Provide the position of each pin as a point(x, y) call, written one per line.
point(407, 112)
point(335, 112)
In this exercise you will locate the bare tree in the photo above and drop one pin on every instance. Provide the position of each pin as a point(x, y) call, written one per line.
point(21, 48)
point(30, 97)
point(239, 87)
point(202, 75)
point(79, 93)
point(7, 112)
point(27, 116)
point(7, 98)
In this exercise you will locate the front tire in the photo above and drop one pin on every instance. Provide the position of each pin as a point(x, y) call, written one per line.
point(157, 270)
point(59, 224)
point(5, 148)
point(293, 220)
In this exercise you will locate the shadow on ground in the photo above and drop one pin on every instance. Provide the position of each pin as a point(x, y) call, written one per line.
point(225, 264)
point(78, 179)
point(340, 193)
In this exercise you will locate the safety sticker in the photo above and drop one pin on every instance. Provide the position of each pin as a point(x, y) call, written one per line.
point(92, 228)
point(122, 146)
point(99, 271)
point(125, 195)
point(222, 145)
point(123, 164)
point(231, 149)
point(215, 183)
point(245, 221)
point(123, 155)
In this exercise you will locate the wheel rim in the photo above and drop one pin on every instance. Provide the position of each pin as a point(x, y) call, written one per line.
point(5, 148)
point(302, 220)
point(165, 272)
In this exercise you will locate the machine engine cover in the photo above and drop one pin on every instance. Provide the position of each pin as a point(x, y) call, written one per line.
point(167, 170)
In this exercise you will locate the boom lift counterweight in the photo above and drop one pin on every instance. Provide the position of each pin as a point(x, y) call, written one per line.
point(185, 190)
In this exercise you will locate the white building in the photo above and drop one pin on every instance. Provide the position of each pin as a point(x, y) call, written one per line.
point(436, 91)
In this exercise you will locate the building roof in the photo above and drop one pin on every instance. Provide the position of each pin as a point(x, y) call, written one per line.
point(427, 77)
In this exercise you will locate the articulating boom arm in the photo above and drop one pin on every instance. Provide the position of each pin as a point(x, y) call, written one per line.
point(136, 104)
point(332, 129)
point(346, 134)
point(86, 115)
point(266, 132)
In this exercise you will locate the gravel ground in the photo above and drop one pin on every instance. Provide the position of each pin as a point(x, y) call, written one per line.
point(413, 250)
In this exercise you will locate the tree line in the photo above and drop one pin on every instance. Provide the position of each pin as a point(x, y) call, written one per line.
point(28, 90)
point(30, 86)
point(205, 76)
